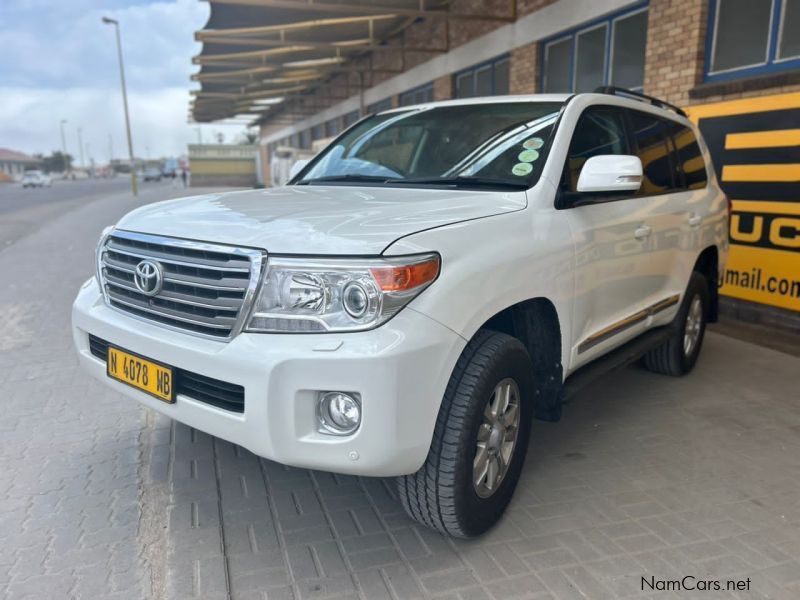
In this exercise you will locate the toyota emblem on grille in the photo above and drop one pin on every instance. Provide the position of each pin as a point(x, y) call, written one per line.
point(148, 277)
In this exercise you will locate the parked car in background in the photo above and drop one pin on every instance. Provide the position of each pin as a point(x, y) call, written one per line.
point(36, 178)
point(151, 174)
point(435, 279)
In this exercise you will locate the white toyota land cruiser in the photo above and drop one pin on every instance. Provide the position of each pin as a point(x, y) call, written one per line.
point(428, 284)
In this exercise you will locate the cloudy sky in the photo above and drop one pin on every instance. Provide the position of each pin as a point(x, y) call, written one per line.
point(58, 61)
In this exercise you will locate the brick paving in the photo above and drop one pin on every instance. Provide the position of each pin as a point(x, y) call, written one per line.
point(645, 476)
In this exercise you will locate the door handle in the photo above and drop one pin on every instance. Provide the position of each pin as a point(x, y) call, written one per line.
point(695, 220)
point(642, 232)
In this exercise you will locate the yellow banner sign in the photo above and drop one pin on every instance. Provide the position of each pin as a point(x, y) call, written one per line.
point(755, 146)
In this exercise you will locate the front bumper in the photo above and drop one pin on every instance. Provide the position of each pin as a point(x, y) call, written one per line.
point(400, 369)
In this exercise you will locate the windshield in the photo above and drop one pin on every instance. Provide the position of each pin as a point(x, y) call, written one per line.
point(495, 144)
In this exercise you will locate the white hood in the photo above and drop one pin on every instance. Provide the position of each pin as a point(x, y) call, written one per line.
point(316, 219)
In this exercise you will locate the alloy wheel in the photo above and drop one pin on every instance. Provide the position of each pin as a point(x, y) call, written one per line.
point(497, 438)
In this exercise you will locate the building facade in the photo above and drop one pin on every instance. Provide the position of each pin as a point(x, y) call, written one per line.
point(13, 164)
point(231, 165)
point(734, 65)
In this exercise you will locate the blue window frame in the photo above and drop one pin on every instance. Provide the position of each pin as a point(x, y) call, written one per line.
point(606, 51)
point(486, 79)
point(752, 37)
point(317, 132)
point(305, 139)
point(417, 95)
point(333, 127)
point(350, 118)
point(379, 106)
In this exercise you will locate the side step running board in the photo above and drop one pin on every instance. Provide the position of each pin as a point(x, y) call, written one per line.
point(614, 360)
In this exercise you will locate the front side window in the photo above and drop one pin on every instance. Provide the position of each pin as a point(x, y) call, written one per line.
point(600, 130)
point(748, 37)
point(608, 52)
point(505, 145)
point(653, 148)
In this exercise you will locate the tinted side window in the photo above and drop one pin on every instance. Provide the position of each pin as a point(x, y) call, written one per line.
point(600, 130)
point(651, 135)
point(690, 160)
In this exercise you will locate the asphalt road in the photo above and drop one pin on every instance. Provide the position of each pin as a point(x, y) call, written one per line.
point(24, 210)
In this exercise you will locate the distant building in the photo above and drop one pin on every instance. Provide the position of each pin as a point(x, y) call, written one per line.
point(229, 165)
point(13, 164)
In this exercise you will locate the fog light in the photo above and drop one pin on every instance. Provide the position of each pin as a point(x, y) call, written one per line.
point(339, 413)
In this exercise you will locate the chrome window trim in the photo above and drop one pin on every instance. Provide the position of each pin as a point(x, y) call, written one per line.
point(258, 263)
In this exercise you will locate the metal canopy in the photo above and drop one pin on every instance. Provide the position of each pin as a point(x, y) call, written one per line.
point(257, 54)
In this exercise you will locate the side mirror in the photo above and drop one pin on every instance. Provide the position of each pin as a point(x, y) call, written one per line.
point(611, 173)
point(298, 166)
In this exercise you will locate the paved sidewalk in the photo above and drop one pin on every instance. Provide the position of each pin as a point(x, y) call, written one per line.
point(645, 476)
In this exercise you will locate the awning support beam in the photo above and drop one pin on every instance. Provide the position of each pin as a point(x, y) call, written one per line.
point(361, 9)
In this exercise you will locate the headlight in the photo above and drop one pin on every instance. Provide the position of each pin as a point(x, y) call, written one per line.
point(320, 295)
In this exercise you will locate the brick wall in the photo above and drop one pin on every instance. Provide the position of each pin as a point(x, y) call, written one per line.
point(443, 88)
point(524, 69)
point(675, 48)
point(675, 59)
point(409, 49)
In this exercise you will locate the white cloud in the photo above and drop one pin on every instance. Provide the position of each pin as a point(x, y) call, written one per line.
point(59, 62)
point(30, 121)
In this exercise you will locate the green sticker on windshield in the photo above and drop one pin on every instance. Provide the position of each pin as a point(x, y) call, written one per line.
point(521, 169)
point(533, 143)
point(528, 156)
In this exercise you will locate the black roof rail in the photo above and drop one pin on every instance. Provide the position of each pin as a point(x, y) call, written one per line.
point(618, 91)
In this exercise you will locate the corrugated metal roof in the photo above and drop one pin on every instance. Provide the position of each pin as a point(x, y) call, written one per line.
point(7, 155)
point(256, 53)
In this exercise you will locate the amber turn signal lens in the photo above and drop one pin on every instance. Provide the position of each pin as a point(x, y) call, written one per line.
point(400, 278)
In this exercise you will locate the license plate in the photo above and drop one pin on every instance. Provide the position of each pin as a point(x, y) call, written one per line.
point(143, 374)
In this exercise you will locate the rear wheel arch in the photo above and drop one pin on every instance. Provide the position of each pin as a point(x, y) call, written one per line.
point(707, 264)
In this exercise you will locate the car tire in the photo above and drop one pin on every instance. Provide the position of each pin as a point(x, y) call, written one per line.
point(490, 393)
point(678, 355)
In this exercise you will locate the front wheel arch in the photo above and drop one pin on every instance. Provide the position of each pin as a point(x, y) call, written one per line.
point(535, 323)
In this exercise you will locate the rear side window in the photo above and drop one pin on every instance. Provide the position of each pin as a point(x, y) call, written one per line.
point(689, 158)
point(600, 130)
point(653, 149)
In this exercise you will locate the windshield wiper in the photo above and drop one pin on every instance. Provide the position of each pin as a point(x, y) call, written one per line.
point(459, 181)
point(469, 181)
point(354, 177)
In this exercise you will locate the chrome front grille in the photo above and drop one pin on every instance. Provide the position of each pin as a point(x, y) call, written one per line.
point(205, 289)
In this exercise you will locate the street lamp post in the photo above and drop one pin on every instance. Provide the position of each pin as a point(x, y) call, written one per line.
point(115, 23)
point(64, 147)
point(80, 146)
